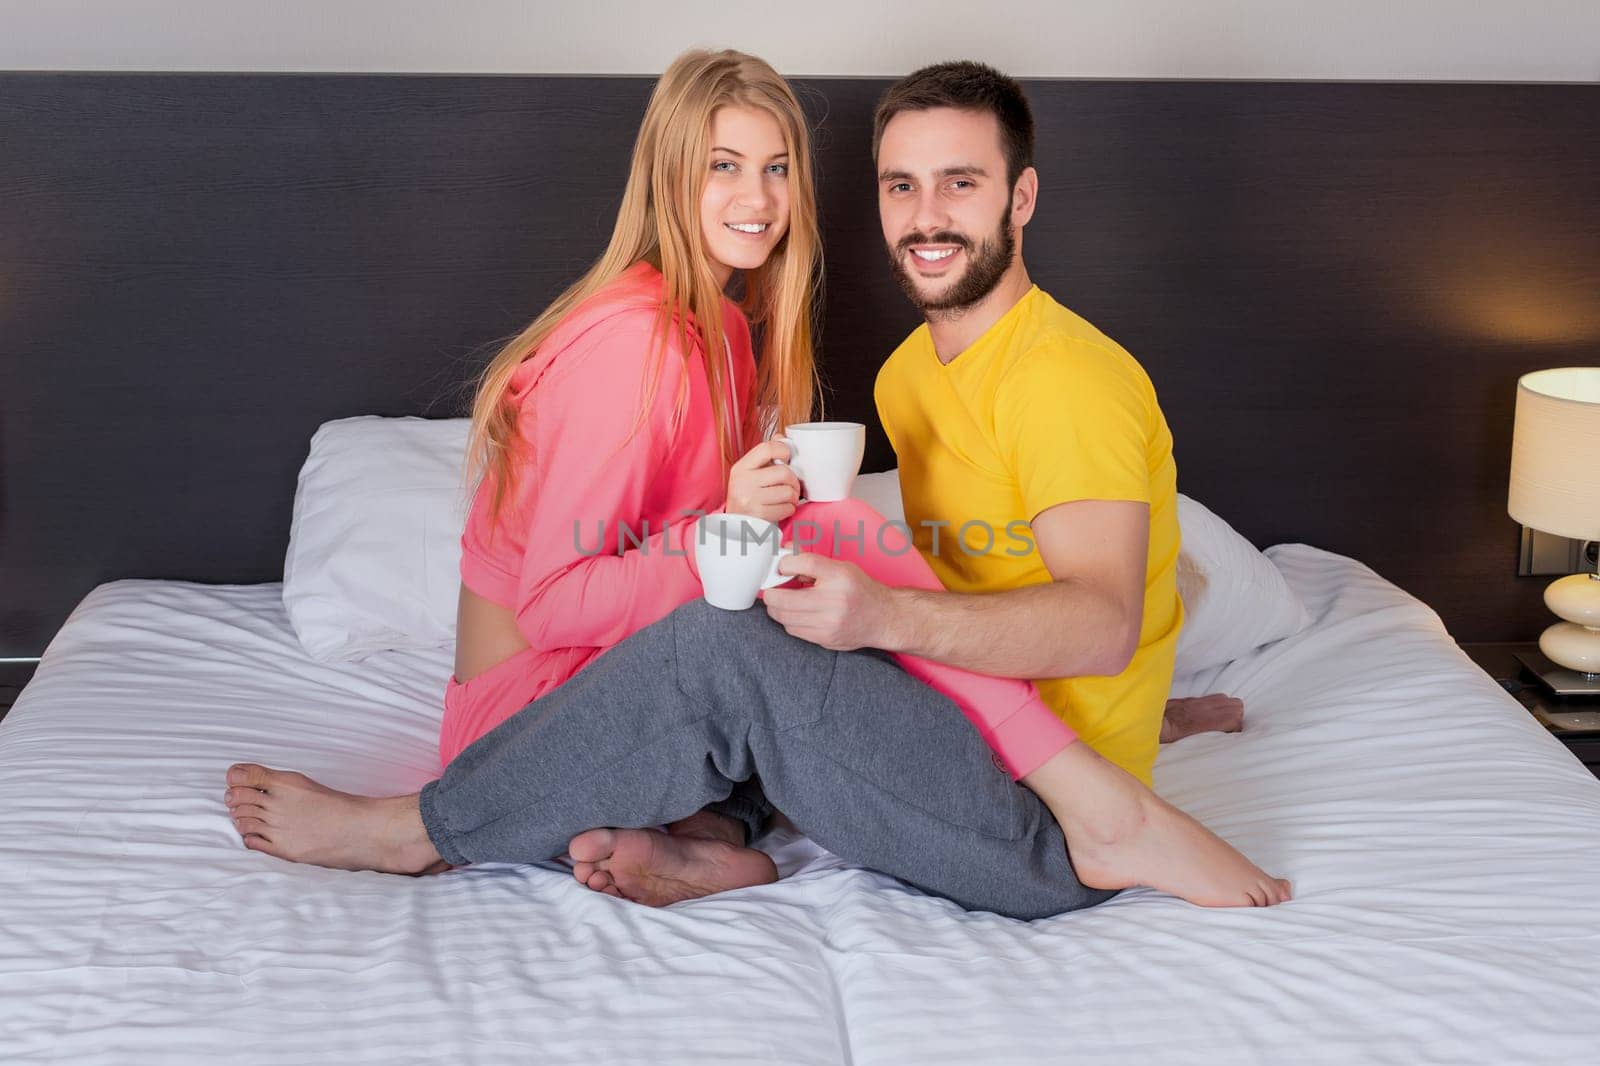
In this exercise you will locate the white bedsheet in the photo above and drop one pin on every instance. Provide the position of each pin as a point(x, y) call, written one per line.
point(1445, 853)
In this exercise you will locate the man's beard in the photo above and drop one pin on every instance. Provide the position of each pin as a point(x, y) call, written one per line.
point(986, 265)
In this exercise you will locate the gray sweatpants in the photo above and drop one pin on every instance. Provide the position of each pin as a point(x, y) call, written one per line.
point(866, 760)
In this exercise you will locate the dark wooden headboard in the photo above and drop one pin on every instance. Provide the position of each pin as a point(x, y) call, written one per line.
point(1333, 285)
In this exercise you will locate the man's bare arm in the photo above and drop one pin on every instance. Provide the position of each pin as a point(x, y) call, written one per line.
point(1083, 623)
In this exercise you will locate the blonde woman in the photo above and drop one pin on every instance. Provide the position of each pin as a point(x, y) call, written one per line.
point(620, 410)
point(627, 406)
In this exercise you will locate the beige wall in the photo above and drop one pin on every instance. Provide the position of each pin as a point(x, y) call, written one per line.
point(1536, 40)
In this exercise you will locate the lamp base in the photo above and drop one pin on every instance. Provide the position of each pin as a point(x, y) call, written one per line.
point(1559, 679)
point(1573, 646)
point(1575, 642)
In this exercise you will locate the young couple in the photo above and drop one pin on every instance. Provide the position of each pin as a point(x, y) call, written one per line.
point(875, 701)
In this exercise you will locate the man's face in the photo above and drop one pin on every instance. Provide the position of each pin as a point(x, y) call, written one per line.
point(945, 206)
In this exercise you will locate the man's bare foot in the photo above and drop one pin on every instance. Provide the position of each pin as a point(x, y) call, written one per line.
point(1120, 834)
point(1215, 713)
point(656, 869)
point(291, 816)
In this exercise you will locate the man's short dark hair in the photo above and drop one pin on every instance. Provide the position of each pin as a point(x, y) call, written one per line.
point(965, 86)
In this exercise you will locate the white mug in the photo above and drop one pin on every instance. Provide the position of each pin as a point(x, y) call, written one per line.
point(737, 556)
point(826, 457)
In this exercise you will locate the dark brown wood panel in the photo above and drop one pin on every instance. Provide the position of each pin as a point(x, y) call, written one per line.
point(1334, 286)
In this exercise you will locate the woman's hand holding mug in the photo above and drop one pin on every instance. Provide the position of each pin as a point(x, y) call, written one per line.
point(760, 485)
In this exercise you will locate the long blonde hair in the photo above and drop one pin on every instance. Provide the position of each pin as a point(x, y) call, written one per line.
point(659, 222)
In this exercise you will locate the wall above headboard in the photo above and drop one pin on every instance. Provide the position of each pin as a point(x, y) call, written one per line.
point(1333, 285)
point(1445, 40)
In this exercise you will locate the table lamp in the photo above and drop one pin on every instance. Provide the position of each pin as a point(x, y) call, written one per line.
point(1555, 488)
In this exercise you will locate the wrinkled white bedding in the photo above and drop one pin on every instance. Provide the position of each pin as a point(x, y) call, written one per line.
point(1445, 853)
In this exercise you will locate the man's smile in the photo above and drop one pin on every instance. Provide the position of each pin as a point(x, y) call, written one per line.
point(933, 260)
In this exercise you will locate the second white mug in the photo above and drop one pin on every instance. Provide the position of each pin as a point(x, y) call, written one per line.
point(737, 556)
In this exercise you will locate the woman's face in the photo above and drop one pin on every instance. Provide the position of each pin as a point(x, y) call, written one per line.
point(744, 211)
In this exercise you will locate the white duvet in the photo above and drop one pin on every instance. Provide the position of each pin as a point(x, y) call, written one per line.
point(1445, 853)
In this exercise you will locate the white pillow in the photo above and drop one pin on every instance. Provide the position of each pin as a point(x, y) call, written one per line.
point(375, 550)
point(375, 543)
point(881, 492)
point(1234, 599)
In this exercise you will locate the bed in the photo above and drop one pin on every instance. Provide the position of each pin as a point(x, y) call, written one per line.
point(201, 269)
point(1445, 852)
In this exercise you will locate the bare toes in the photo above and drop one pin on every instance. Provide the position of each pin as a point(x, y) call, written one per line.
point(582, 871)
point(593, 845)
point(249, 775)
point(252, 810)
point(249, 826)
point(235, 796)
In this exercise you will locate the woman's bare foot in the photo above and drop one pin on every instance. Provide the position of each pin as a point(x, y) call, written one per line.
point(656, 868)
point(1120, 834)
point(291, 816)
point(1215, 713)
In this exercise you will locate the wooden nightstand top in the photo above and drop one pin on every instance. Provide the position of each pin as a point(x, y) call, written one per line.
point(1576, 721)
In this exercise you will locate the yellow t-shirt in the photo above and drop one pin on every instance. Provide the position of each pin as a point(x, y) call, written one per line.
point(1042, 409)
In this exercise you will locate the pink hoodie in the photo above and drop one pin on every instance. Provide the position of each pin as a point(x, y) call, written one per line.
point(598, 467)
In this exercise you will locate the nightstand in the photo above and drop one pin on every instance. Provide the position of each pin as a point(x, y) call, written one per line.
point(1575, 722)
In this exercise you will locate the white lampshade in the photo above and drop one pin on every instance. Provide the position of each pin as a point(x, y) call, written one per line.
point(1555, 453)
